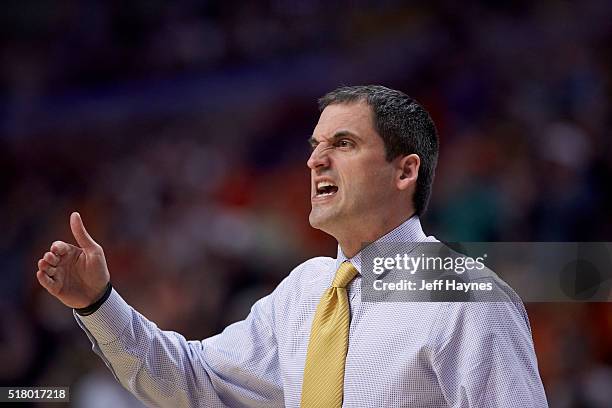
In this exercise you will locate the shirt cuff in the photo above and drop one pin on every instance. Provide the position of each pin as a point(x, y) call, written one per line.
point(108, 322)
point(96, 305)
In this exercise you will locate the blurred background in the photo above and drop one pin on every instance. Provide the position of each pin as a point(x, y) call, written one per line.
point(178, 130)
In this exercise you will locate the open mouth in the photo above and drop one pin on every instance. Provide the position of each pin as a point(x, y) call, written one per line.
point(326, 188)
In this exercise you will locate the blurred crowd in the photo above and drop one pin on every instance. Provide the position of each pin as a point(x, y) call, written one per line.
point(179, 131)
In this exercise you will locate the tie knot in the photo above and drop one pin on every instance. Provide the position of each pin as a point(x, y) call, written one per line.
point(344, 275)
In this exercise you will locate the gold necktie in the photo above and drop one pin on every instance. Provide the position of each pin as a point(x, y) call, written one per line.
point(324, 371)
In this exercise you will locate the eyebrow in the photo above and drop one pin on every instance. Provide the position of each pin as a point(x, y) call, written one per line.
point(338, 135)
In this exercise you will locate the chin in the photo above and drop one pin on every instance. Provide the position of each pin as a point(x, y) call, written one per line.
point(323, 221)
point(318, 221)
point(314, 221)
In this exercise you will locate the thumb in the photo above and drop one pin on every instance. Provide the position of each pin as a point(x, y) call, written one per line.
point(81, 235)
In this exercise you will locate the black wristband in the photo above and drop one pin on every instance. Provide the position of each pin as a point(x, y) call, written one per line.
point(86, 311)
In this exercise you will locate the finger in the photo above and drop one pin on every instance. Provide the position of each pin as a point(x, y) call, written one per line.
point(60, 248)
point(44, 265)
point(46, 282)
point(51, 271)
point(81, 235)
point(51, 258)
point(46, 268)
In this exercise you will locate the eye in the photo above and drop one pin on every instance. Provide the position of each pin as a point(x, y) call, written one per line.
point(344, 143)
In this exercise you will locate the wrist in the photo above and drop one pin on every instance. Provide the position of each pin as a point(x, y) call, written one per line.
point(86, 311)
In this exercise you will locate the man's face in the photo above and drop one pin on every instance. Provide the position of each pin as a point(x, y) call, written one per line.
point(352, 184)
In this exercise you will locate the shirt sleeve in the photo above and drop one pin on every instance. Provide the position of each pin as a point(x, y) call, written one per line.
point(484, 356)
point(238, 367)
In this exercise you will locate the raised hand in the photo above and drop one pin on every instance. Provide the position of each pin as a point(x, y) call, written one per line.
point(77, 276)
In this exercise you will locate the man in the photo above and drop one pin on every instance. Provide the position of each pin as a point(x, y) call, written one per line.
point(312, 342)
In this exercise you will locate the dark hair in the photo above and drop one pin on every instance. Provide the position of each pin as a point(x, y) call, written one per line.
point(404, 125)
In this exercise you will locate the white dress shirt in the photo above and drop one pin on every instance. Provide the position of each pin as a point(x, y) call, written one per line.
point(401, 354)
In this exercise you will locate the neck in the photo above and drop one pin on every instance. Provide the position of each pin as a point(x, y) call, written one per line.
point(354, 239)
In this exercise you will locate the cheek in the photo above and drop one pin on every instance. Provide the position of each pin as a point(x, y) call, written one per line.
point(369, 181)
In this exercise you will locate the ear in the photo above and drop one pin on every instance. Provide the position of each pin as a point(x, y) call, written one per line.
point(407, 171)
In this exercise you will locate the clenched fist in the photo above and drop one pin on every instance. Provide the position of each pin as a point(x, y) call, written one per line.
point(76, 275)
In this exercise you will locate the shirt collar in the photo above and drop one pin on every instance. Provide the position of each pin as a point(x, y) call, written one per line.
point(408, 231)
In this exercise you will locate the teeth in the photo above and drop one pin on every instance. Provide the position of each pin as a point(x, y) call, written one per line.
point(323, 184)
point(323, 188)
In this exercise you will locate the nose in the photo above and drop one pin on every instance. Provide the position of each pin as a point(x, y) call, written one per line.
point(318, 158)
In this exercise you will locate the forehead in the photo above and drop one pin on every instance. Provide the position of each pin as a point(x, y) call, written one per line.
point(356, 117)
